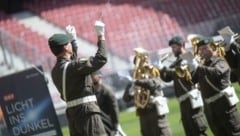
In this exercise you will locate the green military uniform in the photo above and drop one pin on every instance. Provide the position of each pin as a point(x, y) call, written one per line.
point(84, 119)
point(213, 77)
point(109, 106)
point(233, 56)
point(223, 119)
point(193, 120)
point(151, 123)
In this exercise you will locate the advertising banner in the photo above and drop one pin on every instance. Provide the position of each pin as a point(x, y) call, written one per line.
point(27, 106)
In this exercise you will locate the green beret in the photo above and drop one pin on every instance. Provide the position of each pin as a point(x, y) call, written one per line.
point(178, 40)
point(204, 41)
point(58, 40)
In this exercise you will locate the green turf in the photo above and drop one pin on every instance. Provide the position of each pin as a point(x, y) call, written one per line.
point(130, 124)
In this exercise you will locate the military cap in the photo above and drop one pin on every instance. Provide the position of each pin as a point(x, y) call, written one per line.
point(178, 40)
point(58, 40)
point(204, 41)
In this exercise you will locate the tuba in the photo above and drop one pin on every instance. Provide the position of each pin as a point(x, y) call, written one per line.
point(142, 70)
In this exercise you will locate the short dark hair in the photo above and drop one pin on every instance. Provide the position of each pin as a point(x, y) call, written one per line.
point(56, 50)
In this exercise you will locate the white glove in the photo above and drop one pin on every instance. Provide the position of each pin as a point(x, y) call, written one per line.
point(71, 32)
point(227, 39)
point(193, 64)
point(159, 64)
point(235, 39)
point(99, 28)
point(130, 79)
point(184, 62)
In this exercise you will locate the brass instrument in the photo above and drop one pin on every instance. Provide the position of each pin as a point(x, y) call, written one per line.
point(183, 70)
point(142, 70)
point(217, 45)
point(194, 39)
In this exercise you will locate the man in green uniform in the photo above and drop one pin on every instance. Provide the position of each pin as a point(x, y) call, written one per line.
point(213, 77)
point(72, 77)
point(193, 119)
point(108, 104)
point(232, 49)
point(151, 123)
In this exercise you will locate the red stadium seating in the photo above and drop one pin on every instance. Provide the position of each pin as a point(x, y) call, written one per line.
point(24, 42)
point(132, 23)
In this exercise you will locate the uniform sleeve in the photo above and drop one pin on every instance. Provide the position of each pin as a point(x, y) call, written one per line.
point(85, 67)
point(113, 107)
point(152, 84)
point(75, 49)
point(126, 96)
point(194, 76)
point(217, 70)
point(167, 74)
point(237, 50)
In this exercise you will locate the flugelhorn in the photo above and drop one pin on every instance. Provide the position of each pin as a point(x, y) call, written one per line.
point(194, 39)
point(183, 69)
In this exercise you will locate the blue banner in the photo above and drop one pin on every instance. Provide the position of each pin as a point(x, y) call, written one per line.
point(27, 106)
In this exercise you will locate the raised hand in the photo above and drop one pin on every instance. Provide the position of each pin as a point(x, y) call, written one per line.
point(99, 28)
point(71, 32)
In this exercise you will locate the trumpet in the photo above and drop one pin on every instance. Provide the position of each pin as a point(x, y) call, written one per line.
point(183, 70)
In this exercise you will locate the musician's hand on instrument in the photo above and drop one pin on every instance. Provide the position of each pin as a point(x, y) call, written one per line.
point(130, 79)
point(130, 89)
point(141, 83)
point(235, 39)
point(158, 64)
point(193, 65)
point(184, 63)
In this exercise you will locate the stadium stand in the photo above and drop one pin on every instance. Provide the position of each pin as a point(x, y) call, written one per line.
point(149, 24)
point(129, 24)
point(24, 42)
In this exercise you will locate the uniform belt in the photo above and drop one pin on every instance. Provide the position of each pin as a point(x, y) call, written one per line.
point(215, 97)
point(76, 102)
point(183, 97)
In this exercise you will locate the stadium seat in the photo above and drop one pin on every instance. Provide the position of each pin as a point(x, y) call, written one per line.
point(24, 42)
